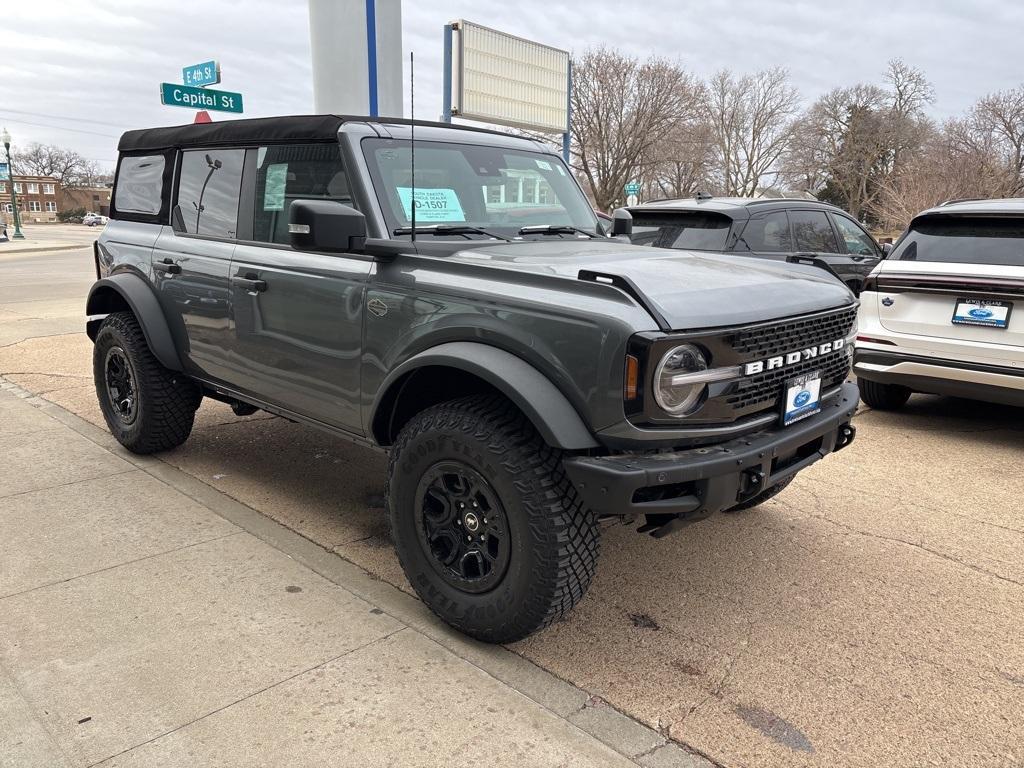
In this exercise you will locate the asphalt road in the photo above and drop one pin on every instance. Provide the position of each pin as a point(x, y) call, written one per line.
point(871, 615)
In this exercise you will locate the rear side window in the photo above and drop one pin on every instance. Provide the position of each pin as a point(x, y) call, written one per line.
point(686, 231)
point(208, 190)
point(965, 241)
point(140, 184)
point(295, 172)
point(812, 232)
point(767, 234)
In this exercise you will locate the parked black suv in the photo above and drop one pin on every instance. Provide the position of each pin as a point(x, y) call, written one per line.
point(527, 375)
point(802, 231)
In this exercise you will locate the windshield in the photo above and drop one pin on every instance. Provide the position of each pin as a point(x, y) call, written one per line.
point(461, 187)
point(686, 231)
point(964, 241)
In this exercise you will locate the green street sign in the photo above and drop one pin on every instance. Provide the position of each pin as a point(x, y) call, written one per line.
point(632, 188)
point(176, 95)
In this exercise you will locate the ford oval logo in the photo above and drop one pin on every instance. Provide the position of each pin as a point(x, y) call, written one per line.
point(803, 397)
point(981, 313)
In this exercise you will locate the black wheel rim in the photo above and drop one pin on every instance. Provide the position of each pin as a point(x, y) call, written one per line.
point(463, 527)
point(121, 388)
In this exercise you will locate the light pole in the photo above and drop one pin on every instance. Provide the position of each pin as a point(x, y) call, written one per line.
point(14, 195)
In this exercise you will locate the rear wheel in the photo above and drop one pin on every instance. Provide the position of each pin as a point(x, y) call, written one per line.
point(488, 529)
point(147, 407)
point(883, 397)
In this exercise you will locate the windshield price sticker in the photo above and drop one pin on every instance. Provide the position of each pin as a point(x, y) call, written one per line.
point(273, 188)
point(432, 205)
point(803, 397)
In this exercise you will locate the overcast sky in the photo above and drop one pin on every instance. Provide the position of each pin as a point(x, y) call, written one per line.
point(95, 66)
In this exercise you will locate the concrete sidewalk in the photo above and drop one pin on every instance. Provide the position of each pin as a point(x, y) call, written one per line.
point(41, 238)
point(148, 620)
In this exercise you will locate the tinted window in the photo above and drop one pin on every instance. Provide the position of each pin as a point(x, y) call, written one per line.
point(140, 184)
point(297, 172)
point(813, 232)
point(767, 234)
point(965, 241)
point(689, 231)
point(856, 240)
point(208, 191)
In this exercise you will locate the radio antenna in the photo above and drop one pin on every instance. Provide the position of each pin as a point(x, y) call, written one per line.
point(412, 143)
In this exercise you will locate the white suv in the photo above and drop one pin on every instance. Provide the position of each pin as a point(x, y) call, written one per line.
point(938, 314)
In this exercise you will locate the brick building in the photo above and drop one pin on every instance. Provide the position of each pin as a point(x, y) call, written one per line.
point(38, 198)
point(92, 199)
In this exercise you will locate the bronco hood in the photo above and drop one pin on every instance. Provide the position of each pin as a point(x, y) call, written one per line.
point(689, 289)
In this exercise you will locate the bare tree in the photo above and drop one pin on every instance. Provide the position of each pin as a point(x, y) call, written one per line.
point(65, 165)
point(621, 108)
point(751, 123)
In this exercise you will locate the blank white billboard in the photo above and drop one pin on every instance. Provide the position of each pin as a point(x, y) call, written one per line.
point(506, 80)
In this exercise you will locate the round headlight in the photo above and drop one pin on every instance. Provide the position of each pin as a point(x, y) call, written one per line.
point(679, 398)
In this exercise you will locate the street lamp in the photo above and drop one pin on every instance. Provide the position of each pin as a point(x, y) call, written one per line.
point(14, 196)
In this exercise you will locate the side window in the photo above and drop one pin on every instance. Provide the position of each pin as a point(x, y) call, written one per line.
point(294, 172)
point(208, 191)
point(813, 232)
point(857, 241)
point(769, 234)
point(140, 183)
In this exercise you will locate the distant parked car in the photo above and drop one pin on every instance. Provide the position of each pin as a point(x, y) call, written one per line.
point(94, 219)
point(801, 231)
point(938, 314)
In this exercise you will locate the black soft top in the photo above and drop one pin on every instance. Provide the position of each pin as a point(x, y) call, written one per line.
point(259, 130)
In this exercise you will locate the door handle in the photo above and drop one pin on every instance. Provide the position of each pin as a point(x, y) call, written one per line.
point(168, 266)
point(251, 284)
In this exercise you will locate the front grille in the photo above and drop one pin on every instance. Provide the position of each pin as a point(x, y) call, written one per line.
point(764, 390)
point(769, 340)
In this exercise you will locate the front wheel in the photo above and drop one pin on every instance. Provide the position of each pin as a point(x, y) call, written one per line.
point(488, 529)
point(147, 407)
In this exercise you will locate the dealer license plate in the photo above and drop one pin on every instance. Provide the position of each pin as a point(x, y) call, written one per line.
point(992, 314)
point(802, 397)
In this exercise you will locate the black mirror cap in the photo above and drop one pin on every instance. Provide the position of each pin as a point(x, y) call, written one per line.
point(622, 222)
point(326, 226)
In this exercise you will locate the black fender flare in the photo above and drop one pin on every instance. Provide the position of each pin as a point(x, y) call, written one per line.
point(142, 301)
point(550, 412)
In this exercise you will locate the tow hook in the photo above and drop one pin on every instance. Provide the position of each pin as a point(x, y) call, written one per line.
point(751, 483)
point(845, 436)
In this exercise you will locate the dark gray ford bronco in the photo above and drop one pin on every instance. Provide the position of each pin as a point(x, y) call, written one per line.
point(529, 376)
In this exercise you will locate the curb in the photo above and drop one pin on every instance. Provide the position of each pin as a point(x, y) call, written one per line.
point(43, 249)
point(642, 745)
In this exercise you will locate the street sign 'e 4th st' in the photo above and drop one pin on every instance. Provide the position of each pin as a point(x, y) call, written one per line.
point(200, 98)
point(207, 73)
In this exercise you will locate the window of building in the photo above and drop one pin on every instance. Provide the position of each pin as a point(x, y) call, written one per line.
point(48, 189)
point(51, 206)
point(17, 187)
point(295, 172)
point(140, 183)
point(33, 188)
point(208, 191)
point(8, 208)
point(3, 186)
point(34, 206)
point(767, 234)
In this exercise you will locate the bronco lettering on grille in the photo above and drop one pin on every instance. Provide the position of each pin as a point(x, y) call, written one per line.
point(791, 358)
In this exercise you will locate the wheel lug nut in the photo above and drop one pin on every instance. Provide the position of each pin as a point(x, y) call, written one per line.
point(469, 538)
point(485, 521)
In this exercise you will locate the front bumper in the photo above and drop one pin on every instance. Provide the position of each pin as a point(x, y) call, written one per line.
point(680, 487)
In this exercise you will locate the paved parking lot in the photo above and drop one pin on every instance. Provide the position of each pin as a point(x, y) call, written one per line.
point(871, 615)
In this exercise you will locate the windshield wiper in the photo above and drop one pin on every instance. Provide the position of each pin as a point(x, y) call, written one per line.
point(450, 229)
point(555, 229)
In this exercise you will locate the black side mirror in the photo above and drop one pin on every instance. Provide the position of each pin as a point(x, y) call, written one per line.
point(622, 222)
point(325, 225)
point(886, 249)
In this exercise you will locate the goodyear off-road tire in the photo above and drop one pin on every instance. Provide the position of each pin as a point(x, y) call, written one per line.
point(147, 407)
point(760, 499)
point(488, 529)
point(883, 397)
